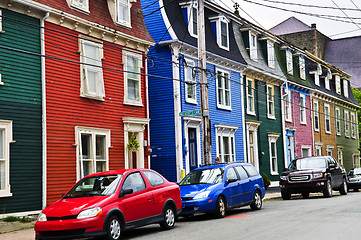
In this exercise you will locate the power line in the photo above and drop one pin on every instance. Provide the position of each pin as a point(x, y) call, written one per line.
point(346, 15)
point(310, 6)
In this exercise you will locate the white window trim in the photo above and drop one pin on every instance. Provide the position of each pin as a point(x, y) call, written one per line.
point(338, 121)
point(327, 79)
point(318, 147)
point(271, 54)
point(345, 88)
point(226, 131)
point(79, 6)
point(128, 101)
point(192, 63)
point(270, 115)
point(288, 99)
point(302, 63)
point(308, 149)
point(353, 124)
point(190, 9)
point(329, 149)
point(317, 73)
point(303, 96)
point(253, 54)
point(218, 20)
point(316, 113)
point(289, 61)
point(8, 138)
point(327, 117)
point(93, 132)
point(340, 155)
point(223, 106)
point(100, 93)
point(338, 84)
point(272, 138)
point(347, 124)
point(126, 22)
point(252, 94)
point(357, 156)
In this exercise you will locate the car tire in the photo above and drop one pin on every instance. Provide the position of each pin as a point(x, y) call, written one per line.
point(285, 195)
point(168, 218)
point(305, 194)
point(327, 191)
point(343, 188)
point(257, 201)
point(114, 228)
point(221, 207)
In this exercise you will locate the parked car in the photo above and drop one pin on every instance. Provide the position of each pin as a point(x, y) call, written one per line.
point(313, 174)
point(354, 179)
point(107, 203)
point(217, 188)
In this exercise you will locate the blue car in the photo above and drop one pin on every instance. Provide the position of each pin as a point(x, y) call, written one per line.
point(217, 188)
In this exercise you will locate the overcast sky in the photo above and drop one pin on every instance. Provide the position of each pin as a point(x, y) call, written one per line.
point(347, 12)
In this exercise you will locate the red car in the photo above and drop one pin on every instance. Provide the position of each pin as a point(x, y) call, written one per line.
point(107, 203)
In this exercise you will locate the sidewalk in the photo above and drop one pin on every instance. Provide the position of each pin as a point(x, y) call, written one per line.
point(25, 231)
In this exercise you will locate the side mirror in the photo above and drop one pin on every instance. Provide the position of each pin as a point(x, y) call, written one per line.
point(231, 180)
point(125, 192)
point(332, 165)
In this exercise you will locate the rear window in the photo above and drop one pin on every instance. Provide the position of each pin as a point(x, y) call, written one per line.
point(153, 178)
point(252, 171)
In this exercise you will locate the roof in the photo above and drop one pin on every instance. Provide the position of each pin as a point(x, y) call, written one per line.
point(290, 25)
point(341, 53)
point(99, 13)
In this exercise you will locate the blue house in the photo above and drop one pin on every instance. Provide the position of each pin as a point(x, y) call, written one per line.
point(174, 86)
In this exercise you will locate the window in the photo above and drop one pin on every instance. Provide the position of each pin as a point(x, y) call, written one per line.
point(317, 74)
point(272, 139)
point(338, 84)
point(288, 105)
point(231, 174)
point(318, 150)
point(225, 143)
point(289, 61)
point(253, 46)
point(303, 109)
point(345, 88)
point(190, 79)
point(356, 160)
point(190, 15)
point(339, 155)
point(270, 102)
point(315, 116)
point(92, 84)
point(346, 120)
point(153, 178)
point(327, 79)
point(353, 125)
point(135, 182)
point(92, 149)
point(250, 96)
point(241, 172)
point(219, 24)
point(252, 171)
point(123, 12)
point(223, 90)
point(6, 137)
point(306, 151)
point(327, 118)
point(302, 67)
point(80, 4)
point(338, 123)
point(329, 150)
point(271, 54)
point(132, 82)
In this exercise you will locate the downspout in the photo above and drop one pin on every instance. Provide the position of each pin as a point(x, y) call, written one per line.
point(147, 98)
point(283, 124)
point(245, 153)
point(42, 42)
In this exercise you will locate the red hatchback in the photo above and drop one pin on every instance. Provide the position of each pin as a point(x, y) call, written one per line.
point(107, 203)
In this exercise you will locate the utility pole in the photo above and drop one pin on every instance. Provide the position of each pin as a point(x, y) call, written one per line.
point(206, 136)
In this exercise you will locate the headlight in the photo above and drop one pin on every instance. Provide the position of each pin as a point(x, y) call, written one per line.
point(285, 178)
point(42, 217)
point(202, 195)
point(92, 212)
point(317, 175)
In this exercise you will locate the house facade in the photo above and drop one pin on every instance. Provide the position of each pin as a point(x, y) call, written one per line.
point(176, 140)
point(96, 90)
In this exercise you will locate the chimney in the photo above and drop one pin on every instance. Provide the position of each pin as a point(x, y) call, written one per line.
point(313, 26)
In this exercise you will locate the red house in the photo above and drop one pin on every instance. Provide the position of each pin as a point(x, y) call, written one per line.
point(96, 89)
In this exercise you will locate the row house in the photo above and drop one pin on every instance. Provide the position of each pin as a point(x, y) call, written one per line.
point(262, 88)
point(176, 141)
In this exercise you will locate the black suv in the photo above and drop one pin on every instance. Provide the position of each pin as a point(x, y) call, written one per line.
point(313, 174)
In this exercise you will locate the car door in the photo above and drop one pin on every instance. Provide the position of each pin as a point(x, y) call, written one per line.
point(233, 187)
point(159, 193)
point(138, 204)
point(336, 172)
point(246, 185)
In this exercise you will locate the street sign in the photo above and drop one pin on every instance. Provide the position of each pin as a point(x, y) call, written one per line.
point(188, 113)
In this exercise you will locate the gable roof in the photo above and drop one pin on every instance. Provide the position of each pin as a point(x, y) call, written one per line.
point(290, 25)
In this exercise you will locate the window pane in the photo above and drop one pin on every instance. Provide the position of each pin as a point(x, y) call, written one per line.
point(100, 147)
point(134, 181)
point(2, 175)
point(220, 96)
point(85, 146)
point(194, 12)
point(91, 54)
point(123, 11)
point(87, 168)
point(132, 67)
point(133, 89)
point(92, 81)
point(2, 142)
point(224, 36)
point(100, 166)
point(228, 98)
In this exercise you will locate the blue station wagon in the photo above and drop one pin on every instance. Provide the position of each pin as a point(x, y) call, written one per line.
point(219, 187)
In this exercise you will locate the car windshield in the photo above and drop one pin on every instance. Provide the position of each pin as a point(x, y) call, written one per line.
point(307, 163)
point(95, 186)
point(204, 176)
point(356, 171)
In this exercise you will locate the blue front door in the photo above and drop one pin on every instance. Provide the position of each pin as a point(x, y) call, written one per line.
point(193, 162)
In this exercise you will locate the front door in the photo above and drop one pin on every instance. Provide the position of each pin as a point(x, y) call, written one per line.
point(252, 148)
point(193, 162)
point(290, 149)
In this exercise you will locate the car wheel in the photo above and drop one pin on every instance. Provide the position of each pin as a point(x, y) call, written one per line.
point(220, 207)
point(168, 218)
point(343, 188)
point(257, 201)
point(114, 228)
point(305, 194)
point(285, 195)
point(327, 191)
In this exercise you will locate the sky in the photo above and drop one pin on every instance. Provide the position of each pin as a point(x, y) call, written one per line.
point(321, 12)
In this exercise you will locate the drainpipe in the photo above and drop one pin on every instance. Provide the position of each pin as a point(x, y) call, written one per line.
point(283, 112)
point(42, 41)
